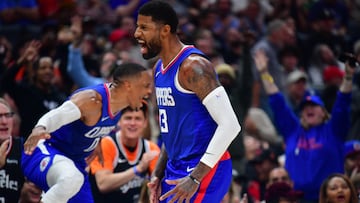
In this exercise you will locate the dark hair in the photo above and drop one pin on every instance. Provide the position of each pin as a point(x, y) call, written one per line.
point(162, 12)
point(126, 70)
point(323, 195)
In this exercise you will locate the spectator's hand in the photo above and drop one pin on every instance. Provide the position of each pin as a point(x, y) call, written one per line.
point(145, 160)
point(37, 134)
point(350, 71)
point(261, 61)
point(3, 152)
point(31, 52)
point(76, 29)
point(155, 189)
point(184, 189)
point(244, 199)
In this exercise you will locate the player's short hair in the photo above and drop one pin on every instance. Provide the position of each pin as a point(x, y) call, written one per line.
point(161, 12)
point(126, 70)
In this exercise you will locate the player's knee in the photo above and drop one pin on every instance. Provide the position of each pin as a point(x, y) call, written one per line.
point(71, 182)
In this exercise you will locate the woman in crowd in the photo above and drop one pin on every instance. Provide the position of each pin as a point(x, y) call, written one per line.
point(337, 188)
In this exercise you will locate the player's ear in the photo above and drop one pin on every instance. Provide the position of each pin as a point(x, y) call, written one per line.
point(165, 30)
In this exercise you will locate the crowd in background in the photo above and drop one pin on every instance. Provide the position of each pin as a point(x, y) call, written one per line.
point(49, 48)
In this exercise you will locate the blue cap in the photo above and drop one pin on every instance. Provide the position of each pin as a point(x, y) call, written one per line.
point(351, 147)
point(311, 99)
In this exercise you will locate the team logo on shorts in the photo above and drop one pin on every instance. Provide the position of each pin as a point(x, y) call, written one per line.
point(44, 162)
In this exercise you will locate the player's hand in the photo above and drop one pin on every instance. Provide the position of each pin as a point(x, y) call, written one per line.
point(37, 134)
point(185, 188)
point(155, 189)
point(3, 152)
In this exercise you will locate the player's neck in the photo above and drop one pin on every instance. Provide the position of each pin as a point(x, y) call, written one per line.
point(117, 102)
point(170, 51)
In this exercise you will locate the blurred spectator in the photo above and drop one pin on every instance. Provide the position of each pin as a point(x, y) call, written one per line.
point(205, 41)
point(204, 18)
point(225, 19)
point(334, 10)
point(322, 57)
point(76, 67)
point(258, 124)
point(279, 174)
point(263, 164)
point(314, 142)
point(352, 162)
point(276, 38)
point(332, 76)
point(18, 18)
point(338, 188)
point(297, 89)
point(289, 57)
point(252, 20)
point(36, 92)
point(323, 32)
point(96, 10)
point(124, 46)
point(126, 7)
point(282, 192)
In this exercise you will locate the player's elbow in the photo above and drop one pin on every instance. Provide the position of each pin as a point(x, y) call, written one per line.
point(233, 128)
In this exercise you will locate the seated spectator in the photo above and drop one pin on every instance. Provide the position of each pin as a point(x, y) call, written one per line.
point(11, 177)
point(282, 192)
point(128, 160)
point(338, 188)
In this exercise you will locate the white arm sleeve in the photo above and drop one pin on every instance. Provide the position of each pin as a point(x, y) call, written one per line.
point(218, 104)
point(64, 114)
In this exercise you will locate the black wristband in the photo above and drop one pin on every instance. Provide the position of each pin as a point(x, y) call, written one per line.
point(194, 179)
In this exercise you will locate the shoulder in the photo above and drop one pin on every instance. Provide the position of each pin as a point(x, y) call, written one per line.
point(87, 95)
point(197, 74)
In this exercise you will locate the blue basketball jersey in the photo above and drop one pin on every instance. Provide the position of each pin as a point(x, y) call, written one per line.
point(77, 140)
point(186, 126)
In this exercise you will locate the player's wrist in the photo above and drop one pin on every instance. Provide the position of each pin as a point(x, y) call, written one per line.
point(194, 179)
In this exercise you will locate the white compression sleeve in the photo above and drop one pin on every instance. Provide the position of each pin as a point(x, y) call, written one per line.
point(64, 114)
point(218, 104)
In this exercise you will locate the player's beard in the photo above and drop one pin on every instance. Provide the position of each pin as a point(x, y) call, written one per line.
point(153, 49)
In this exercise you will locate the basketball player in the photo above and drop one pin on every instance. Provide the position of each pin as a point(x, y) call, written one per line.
point(197, 122)
point(55, 152)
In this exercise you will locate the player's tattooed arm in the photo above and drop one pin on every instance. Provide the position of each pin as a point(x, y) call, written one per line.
point(198, 75)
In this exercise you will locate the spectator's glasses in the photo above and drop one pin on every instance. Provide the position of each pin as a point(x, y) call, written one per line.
point(7, 115)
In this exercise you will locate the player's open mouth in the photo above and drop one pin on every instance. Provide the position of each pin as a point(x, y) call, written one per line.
point(143, 48)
